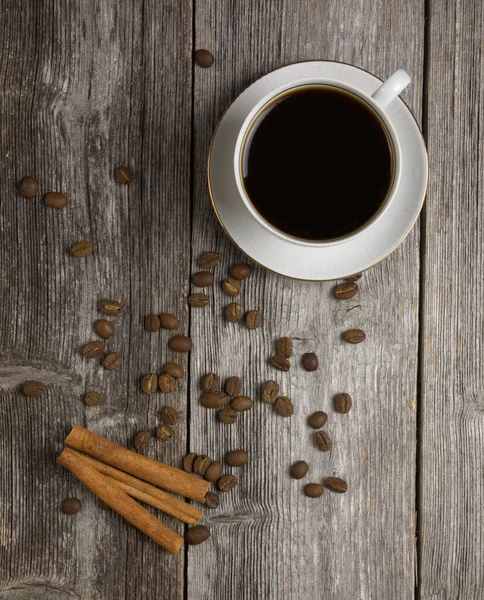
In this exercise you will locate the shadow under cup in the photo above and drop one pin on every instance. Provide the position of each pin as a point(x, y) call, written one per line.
point(317, 163)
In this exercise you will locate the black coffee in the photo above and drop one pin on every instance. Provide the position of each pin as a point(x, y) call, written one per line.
point(317, 163)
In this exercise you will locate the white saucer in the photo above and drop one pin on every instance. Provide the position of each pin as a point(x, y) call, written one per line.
point(340, 258)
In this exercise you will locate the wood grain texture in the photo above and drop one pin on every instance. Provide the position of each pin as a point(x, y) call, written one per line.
point(87, 86)
point(452, 482)
point(269, 540)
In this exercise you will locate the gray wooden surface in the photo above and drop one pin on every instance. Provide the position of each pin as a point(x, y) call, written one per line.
point(90, 85)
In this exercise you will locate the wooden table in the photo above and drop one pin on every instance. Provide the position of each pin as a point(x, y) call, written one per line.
point(89, 85)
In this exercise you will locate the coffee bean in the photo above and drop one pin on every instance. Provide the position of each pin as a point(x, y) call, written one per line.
point(211, 500)
point(123, 175)
point(197, 535)
point(284, 347)
point(310, 361)
point(233, 386)
point(227, 416)
point(94, 349)
point(181, 343)
point(323, 441)
point(284, 406)
point(164, 433)
point(233, 312)
point(152, 323)
point(103, 505)
point(204, 58)
point(318, 419)
point(214, 471)
point(149, 383)
point(33, 389)
point(201, 464)
point(253, 319)
point(169, 321)
point(208, 260)
point(188, 461)
point(345, 291)
point(270, 391)
point(202, 279)
point(354, 336)
point(169, 415)
point(313, 490)
point(81, 249)
point(93, 398)
point(142, 440)
point(111, 307)
point(55, 200)
point(104, 328)
point(241, 403)
point(227, 483)
point(343, 403)
point(237, 458)
point(354, 277)
point(280, 362)
point(214, 399)
point(299, 469)
point(210, 382)
point(198, 300)
point(71, 506)
point(335, 484)
point(166, 383)
point(28, 187)
point(240, 272)
point(231, 287)
point(174, 369)
point(113, 361)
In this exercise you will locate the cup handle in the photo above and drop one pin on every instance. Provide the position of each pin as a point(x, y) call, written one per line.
point(391, 88)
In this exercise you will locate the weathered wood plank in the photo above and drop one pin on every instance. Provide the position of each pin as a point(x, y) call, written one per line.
point(451, 484)
point(268, 540)
point(87, 86)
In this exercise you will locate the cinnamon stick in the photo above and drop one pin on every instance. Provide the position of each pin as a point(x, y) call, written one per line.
point(119, 501)
point(145, 492)
point(165, 476)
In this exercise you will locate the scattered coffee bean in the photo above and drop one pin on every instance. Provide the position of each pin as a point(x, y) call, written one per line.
point(71, 506)
point(270, 392)
point(113, 361)
point(354, 336)
point(169, 321)
point(103, 505)
point(343, 403)
point(284, 406)
point(335, 484)
point(166, 383)
point(214, 471)
point(93, 398)
point(227, 416)
point(201, 464)
point(174, 369)
point(299, 469)
point(211, 500)
point(197, 535)
point(142, 440)
point(111, 307)
point(188, 461)
point(181, 343)
point(345, 291)
point(313, 490)
point(318, 419)
point(253, 319)
point(204, 58)
point(231, 287)
point(233, 386)
point(169, 415)
point(81, 249)
point(104, 328)
point(310, 361)
point(323, 441)
point(280, 362)
point(152, 323)
point(214, 399)
point(29, 187)
point(208, 260)
point(198, 300)
point(237, 458)
point(233, 312)
point(55, 200)
point(123, 175)
point(241, 403)
point(202, 279)
point(240, 272)
point(164, 432)
point(284, 347)
point(227, 483)
point(94, 349)
point(354, 277)
point(210, 382)
point(149, 383)
point(33, 389)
